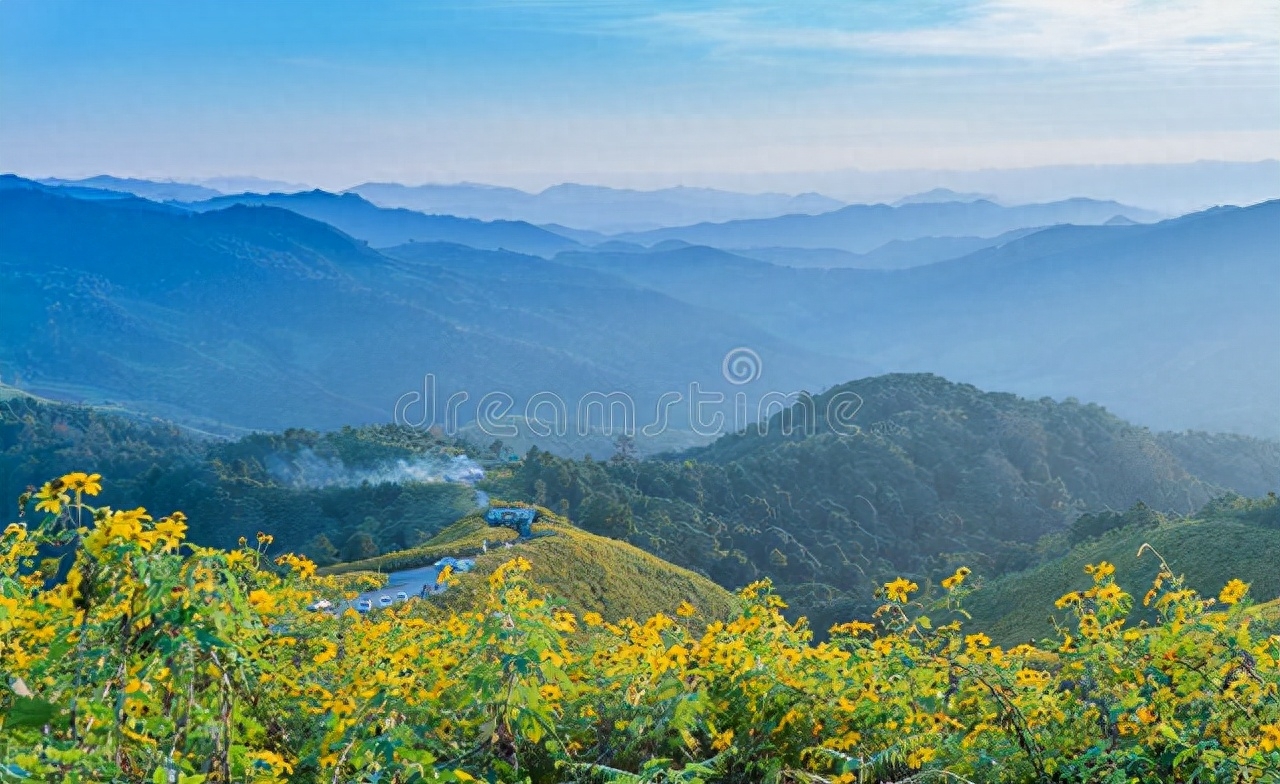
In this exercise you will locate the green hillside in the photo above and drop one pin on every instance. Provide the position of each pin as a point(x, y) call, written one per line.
point(1233, 539)
point(590, 573)
point(928, 474)
point(934, 475)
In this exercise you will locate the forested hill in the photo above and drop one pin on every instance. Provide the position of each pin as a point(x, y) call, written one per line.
point(352, 493)
point(918, 475)
point(935, 474)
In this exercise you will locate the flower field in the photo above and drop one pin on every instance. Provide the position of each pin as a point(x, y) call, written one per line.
point(130, 654)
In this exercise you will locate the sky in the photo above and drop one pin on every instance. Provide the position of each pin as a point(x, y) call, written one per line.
point(531, 93)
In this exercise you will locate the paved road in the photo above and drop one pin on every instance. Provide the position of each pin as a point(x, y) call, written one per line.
point(410, 581)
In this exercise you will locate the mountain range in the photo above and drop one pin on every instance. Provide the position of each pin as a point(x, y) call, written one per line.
point(147, 189)
point(860, 228)
point(1170, 323)
point(277, 319)
point(894, 254)
point(258, 317)
point(383, 227)
point(592, 207)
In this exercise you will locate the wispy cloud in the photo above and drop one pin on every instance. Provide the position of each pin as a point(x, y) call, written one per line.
point(1170, 33)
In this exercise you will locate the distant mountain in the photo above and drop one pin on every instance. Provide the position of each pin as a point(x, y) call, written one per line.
point(896, 254)
point(382, 227)
point(121, 198)
point(1170, 324)
point(861, 228)
point(252, 185)
point(941, 195)
point(594, 207)
point(258, 317)
point(1172, 188)
point(147, 189)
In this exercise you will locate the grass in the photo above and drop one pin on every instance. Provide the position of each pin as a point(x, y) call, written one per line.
point(1018, 607)
point(589, 573)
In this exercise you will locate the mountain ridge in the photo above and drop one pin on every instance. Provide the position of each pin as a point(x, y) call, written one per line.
point(860, 228)
point(383, 227)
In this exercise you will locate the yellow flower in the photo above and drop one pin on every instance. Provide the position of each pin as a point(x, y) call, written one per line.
point(1100, 571)
point(686, 610)
point(755, 589)
point(919, 757)
point(301, 565)
point(1270, 737)
point(956, 579)
point(722, 740)
point(1067, 600)
point(550, 692)
point(852, 628)
point(329, 653)
point(1026, 677)
point(564, 621)
point(171, 532)
point(51, 498)
point(261, 600)
point(976, 641)
point(1233, 592)
point(89, 484)
point(1110, 593)
point(899, 589)
point(592, 619)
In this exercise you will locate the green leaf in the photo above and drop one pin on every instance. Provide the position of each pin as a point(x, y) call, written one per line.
point(30, 712)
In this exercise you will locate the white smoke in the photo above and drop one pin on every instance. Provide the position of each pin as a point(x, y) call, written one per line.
point(305, 469)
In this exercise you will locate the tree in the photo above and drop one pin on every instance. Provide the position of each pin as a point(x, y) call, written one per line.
point(322, 550)
point(360, 546)
point(624, 449)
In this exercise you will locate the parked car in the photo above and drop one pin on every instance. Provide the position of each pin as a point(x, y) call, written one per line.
point(384, 601)
point(364, 605)
point(321, 605)
point(402, 597)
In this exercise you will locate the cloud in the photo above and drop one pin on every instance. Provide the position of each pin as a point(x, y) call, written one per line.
point(306, 469)
point(1150, 33)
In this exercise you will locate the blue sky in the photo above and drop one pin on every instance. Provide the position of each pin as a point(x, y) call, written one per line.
point(530, 93)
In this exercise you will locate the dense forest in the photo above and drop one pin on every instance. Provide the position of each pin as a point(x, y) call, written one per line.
point(331, 495)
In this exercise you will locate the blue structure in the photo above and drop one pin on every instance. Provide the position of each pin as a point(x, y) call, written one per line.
point(518, 519)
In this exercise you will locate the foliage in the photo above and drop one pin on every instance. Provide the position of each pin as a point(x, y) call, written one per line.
point(156, 660)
